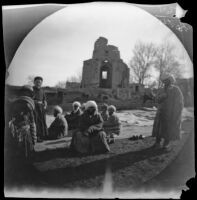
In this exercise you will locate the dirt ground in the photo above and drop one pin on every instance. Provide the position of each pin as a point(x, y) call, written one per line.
point(129, 165)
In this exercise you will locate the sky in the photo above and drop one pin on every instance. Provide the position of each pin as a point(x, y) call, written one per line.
point(56, 48)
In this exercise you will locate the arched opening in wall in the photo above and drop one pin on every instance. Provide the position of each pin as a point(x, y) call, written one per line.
point(106, 75)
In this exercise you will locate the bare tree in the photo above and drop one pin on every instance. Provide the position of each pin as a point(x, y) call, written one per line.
point(131, 78)
point(152, 84)
point(167, 61)
point(61, 84)
point(144, 55)
point(30, 80)
point(77, 78)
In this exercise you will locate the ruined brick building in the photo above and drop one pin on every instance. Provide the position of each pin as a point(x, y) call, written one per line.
point(105, 69)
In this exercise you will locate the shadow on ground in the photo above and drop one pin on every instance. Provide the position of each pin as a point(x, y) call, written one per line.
point(77, 168)
point(58, 168)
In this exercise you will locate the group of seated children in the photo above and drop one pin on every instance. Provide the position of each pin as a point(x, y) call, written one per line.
point(92, 131)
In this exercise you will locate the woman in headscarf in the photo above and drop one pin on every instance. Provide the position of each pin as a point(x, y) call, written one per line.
point(40, 107)
point(112, 125)
point(59, 127)
point(167, 124)
point(21, 137)
point(90, 138)
point(74, 116)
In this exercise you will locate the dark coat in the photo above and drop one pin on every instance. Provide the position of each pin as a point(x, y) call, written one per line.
point(86, 141)
point(167, 123)
point(58, 128)
point(73, 119)
point(39, 94)
point(22, 134)
point(41, 126)
point(95, 121)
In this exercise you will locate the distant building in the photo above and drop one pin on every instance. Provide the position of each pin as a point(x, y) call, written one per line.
point(137, 88)
point(73, 85)
point(105, 69)
point(70, 96)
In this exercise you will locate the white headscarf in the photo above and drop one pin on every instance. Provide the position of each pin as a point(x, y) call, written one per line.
point(58, 109)
point(90, 104)
point(76, 103)
point(168, 76)
point(111, 107)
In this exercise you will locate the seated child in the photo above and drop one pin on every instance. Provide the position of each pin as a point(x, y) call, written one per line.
point(74, 116)
point(59, 127)
point(104, 112)
point(112, 125)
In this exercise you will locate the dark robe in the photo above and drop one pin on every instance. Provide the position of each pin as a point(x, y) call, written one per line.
point(39, 99)
point(58, 128)
point(167, 123)
point(21, 137)
point(86, 141)
point(73, 119)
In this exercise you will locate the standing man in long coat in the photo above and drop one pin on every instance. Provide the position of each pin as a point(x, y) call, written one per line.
point(40, 107)
point(167, 124)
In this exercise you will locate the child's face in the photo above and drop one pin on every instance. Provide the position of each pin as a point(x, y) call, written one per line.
point(110, 112)
point(91, 110)
point(75, 107)
point(38, 83)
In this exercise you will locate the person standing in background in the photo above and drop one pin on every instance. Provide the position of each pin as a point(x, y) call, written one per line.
point(40, 108)
point(167, 123)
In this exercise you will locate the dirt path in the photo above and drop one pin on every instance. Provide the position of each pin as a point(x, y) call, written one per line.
point(178, 172)
point(129, 164)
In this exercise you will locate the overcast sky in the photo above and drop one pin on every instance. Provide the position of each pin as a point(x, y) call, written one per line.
point(56, 48)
